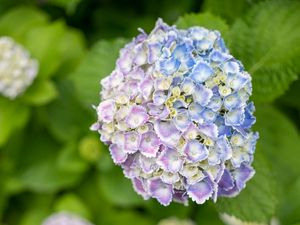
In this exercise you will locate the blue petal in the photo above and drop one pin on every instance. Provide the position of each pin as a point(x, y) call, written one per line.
point(202, 95)
point(195, 110)
point(201, 72)
point(187, 86)
point(215, 104)
point(232, 101)
point(169, 66)
point(231, 67)
point(218, 56)
point(182, 120)
point(237, 80)
point(208, 115)
point(234, 117)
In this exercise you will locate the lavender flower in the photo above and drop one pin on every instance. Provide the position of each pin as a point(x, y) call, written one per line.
point(65, 218)
point(176, 115)
point(17, 69)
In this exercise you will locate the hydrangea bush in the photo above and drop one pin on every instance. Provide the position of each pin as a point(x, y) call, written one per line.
point(176, 115)
point(17, 68)
point(65, 218)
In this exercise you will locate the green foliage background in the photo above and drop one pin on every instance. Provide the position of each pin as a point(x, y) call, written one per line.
point(50, 161)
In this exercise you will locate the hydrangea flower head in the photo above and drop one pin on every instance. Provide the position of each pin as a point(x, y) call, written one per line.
point(175, 221)
point(65, 218)
point(176, 116)
point(17, 69)
point(232, 220)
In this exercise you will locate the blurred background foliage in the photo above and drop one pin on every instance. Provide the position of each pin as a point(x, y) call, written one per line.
point(50, 161)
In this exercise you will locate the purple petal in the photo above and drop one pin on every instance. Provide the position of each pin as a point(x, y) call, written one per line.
point(191, 132)
point(117, 154)
point(132, 141)
point(161, 191)
point(140, 188)
point(226, 182)
point(136, 74)
point(148, 164)
point(116, 78)
point(224, 148)
point(167, 132)
point(159, 97)
point(200, 192)
point(202, 95)
point(201, 72)
point(141, 56)
point(215, 172)
point(146, 88)
point(169, 159)
point(242, 175)
point(228, 193)
point(128, 166)
point(195, 151)
point(160, 112)
point(154, 52)
point(213, 157)
point(106, 111)
point(195, 178)
point(182, 121)
point(180, 197)
point(149, 144)
point(125, 62)
point(137, 117)
point(189, 170)
point(170, 178)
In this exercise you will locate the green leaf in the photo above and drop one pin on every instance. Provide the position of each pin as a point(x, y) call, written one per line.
point(228, 9)
point(267, 42)
point(40, 168)
point(99, 62)
point(69, 5)
point(66, 114)
point(37, 209)
point(40, 93)
point(257, 202)
point(22, 18)
point(70, 202)
point(280, 142)
point(290, 98)
point(289, 210)
point(13, 116)
point(118, 189)
point(47, 49)
point(71, 56)
point(206, 20)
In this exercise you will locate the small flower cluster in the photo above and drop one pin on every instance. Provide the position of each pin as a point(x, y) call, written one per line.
point(17, 69)
point(176, 116)
point(232, 220)
point(175, 221)
point(65, 218)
